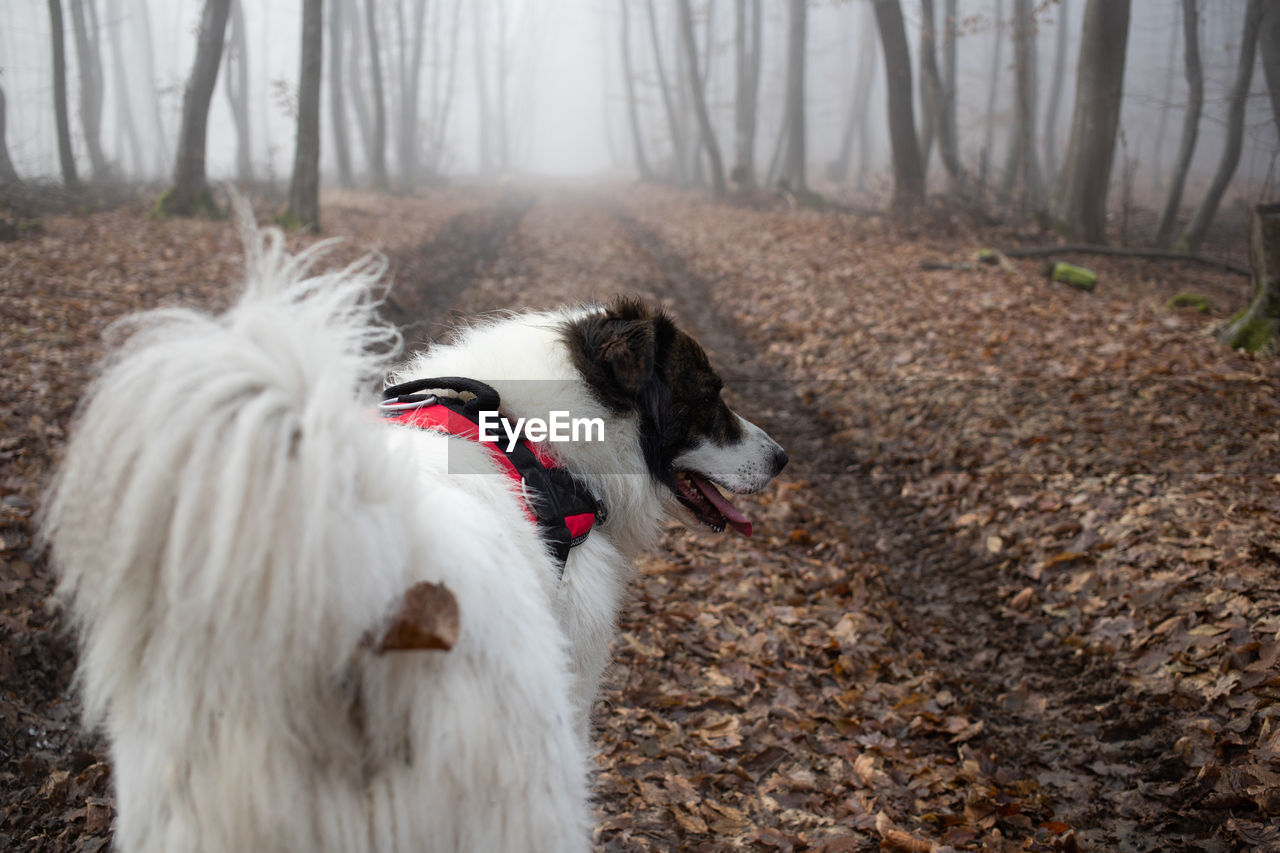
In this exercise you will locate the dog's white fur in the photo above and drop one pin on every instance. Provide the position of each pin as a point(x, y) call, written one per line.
point(230, 522)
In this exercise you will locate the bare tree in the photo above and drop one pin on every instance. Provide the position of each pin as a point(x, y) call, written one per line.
point(443, 86)
point(378, 138)
point(1259, 324)
point(149, 70)
point(794, 163)
point(1190, 122)
point(89, 63)
point(857, 119)
point(482, 88)
point(236, 84)
point(1055, 93)
point(929, 85)
point(124, 105)
point(8, 174)
point(668, 100)
point(633, 110)
point(1166, 104)
point(746, 51)
point(908, 173)
point(708, 133)
point(1208, 207)
point(356, 80)
point(948, 134)
point(502, 71)
point(337, 88)
point(993, 87)
point(1080, 196)
point(1269, 41)
point(304, 189)
point(1024, 167)
point(408, 133)
point(189, 194)
point(65, 156)
point(940, 98)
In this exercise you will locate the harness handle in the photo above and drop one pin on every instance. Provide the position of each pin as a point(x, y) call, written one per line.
point(486, 397)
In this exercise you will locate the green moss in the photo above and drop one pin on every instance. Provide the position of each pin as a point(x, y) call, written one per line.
point(1081, 278)
point(812, 200)
point(1251, 336)
point(1190, 300)
point(203, 206)
point(290, 221)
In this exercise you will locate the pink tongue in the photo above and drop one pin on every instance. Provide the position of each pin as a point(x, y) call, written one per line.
point(731, 513)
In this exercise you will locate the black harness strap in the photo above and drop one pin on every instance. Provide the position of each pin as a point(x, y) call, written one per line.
point(562, 507)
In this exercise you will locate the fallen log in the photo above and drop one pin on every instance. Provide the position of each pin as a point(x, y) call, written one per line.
point(1149, 254)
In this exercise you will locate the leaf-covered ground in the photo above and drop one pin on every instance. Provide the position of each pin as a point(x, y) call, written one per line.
point(1018, 590)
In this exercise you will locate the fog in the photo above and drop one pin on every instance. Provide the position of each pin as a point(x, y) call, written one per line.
point(566, 99)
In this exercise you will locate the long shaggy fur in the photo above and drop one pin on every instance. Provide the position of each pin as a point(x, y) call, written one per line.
point(230, 522)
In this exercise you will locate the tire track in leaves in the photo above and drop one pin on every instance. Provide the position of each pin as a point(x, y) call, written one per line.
point(1022, 685)
point(431, 277)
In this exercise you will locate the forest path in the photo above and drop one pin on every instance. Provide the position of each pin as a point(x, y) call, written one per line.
point(1060, 736)
point(1019, 588)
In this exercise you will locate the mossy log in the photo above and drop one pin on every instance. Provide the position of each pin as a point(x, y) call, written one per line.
point(1259, 324)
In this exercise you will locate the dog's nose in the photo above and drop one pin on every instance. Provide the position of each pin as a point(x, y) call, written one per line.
point(780, 460)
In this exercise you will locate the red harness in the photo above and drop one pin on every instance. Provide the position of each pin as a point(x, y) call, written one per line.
point(563, 509)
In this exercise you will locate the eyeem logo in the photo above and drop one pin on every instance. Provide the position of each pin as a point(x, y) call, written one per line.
point(560, 427)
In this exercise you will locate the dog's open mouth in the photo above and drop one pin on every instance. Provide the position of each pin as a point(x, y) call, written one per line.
point(712, 508)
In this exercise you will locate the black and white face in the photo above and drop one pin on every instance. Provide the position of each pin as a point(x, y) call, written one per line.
point(636, 361)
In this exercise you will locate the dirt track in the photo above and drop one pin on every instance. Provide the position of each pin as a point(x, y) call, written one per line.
point(867, 670)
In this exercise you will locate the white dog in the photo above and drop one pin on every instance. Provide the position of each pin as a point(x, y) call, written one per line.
point(246, 548)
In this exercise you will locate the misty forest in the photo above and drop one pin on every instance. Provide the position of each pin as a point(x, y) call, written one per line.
point(1003, 276)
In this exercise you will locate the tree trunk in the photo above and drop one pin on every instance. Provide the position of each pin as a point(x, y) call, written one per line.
point(65, 157)
point(668, 101)
point(708, 134)
point(189, 195)
point(149, 69)
point(1080, 196)
point(1024, 49)
point(89, 64)
point(378, 152)
point(337, 104)
point(863, 78)
point(633, 109)
point(993, 86)
point(1157, 148)
point(929, 85)
point(1269, 41)
point(939, 100)
point(747, 92)
point(236, 82)
point(692, 167)
point(948, 134)
point(482, 90)
point(353, 22)
point(1208, 207)
point(1259, 324)
point(1190, 123)
point(1055, 94)
point(8, 174)
point(410, 74)
point(794, 163)
point(504, 139)
point(908, 174)
point(304, 189)
point(441, 119)
point(124, 105)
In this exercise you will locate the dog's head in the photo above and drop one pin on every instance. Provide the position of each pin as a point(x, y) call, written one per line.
point(636, 361)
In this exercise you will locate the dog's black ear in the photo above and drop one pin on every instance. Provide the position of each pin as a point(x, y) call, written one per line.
point(617, 350)
point(629, 349)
